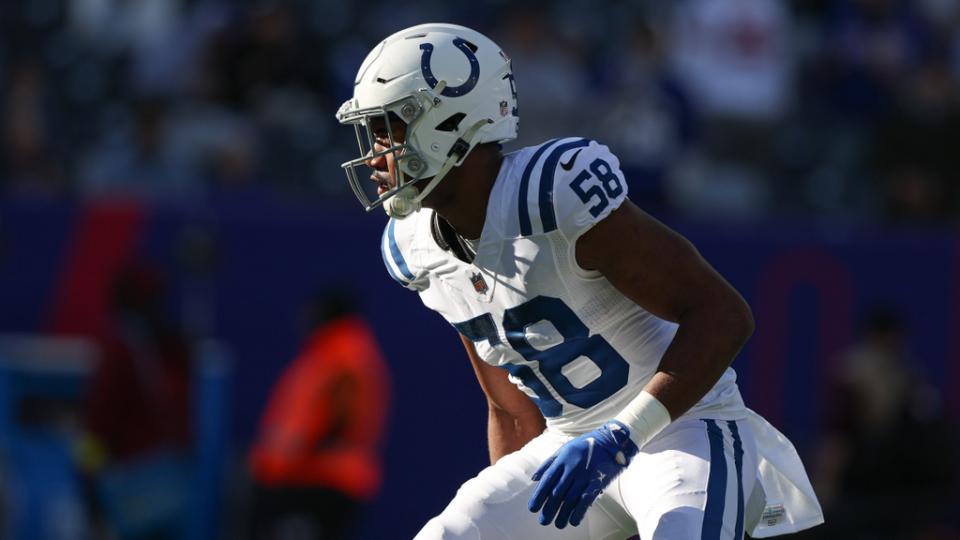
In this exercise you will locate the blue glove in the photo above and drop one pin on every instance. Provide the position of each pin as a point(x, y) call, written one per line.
point(578, 472)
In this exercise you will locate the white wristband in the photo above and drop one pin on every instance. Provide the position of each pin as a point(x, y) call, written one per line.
point(645, 416)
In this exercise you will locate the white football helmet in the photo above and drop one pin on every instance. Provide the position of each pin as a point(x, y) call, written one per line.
point(454, 89)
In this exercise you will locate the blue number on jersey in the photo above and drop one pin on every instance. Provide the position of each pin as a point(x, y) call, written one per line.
point(483, 328)
point(609, 182)
point(576, 343)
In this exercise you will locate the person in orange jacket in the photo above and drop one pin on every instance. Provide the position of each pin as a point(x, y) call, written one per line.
point(317, 455)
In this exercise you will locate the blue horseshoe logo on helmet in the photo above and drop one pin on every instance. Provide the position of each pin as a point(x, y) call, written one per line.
point(451, 91)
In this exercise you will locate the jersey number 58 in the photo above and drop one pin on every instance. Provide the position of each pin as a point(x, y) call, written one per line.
point(576, 343)
point(609, 185)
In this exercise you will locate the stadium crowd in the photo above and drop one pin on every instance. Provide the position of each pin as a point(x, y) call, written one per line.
point(840, 109)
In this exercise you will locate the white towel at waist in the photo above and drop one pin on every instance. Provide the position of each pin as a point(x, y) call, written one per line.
point(782, 500)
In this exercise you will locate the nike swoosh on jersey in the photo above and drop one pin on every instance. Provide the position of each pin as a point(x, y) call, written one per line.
point(569, 165)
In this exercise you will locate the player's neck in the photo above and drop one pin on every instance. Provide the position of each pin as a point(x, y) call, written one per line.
point(465, 209)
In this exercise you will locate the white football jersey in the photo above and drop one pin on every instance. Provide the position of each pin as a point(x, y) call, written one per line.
point(577, 346)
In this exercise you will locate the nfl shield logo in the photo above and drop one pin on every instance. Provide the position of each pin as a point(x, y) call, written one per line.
point(504, 108)
point(479, 284)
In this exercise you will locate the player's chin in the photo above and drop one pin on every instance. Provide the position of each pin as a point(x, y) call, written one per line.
point(383, 187)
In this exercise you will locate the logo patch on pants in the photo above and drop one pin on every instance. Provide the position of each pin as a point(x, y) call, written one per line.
point(773, 514)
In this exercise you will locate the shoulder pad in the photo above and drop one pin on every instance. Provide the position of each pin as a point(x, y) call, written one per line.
point(395, 247)
point(570, 185)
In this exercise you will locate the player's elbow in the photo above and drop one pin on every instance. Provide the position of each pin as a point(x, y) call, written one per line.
point(520, 417)
point(740, 319)
point(729, 316)
point(512, 413)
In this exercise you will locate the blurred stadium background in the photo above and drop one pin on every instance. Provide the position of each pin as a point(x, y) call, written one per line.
point(186, 151)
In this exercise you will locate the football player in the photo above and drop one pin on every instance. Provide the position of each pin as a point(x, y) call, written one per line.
point(601, 338)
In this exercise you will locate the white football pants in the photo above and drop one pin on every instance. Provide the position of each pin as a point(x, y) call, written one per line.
point(689, 482)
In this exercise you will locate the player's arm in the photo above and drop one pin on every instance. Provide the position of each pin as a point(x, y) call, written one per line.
point(513, 418)
point(664, 273)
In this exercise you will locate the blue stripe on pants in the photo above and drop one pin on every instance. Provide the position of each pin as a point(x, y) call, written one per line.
point(738, 460)
point(716, 485)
